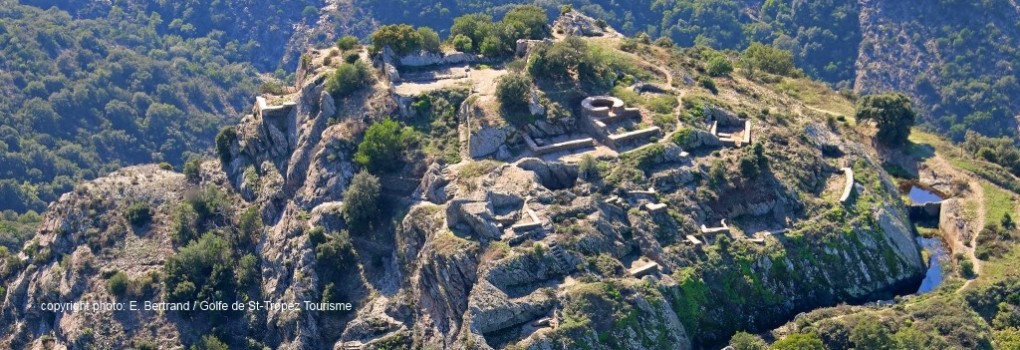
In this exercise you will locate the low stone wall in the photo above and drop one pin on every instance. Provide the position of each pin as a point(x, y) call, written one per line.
point(747, 132)
point(848, 187)
point(262, 108)
point(424, 59)
point(716, 230)
point(618, 139)
point(559, 146)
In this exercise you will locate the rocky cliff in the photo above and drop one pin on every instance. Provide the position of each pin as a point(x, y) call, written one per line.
point(619, 251)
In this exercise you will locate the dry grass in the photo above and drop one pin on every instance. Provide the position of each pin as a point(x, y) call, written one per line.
point(817, 95)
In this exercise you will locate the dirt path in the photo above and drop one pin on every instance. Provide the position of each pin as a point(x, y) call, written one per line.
point(824, 111)
point(977, 194)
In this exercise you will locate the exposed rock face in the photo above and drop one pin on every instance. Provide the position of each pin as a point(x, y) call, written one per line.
point(723, 116)
point(487, 140)
point(484, 254)
point(575, 23)
point(425, 58)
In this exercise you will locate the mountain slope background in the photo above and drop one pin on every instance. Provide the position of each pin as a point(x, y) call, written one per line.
point(957, 59)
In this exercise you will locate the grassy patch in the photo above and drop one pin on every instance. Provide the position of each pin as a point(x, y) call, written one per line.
point(475, 169)
point(997, 203)
point(961, 160)
point(817, 95)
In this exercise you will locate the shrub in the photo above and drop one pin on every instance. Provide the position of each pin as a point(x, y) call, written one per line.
point(333, 255)
point(493, 46)
point(224, 139)
point(870, 334)
point(166, 166)
point(352, 57)
point(383, 146)
point(249, 227)
point(708, 83)
point(717, 174)
point(799, 341)
point(347, 42)
point(348, 78)
point(402, 38)
point(685, 138)
point(514, 92)
point(530, 18)
point(718, 66)
point(118, 284)
point(184, 225)
point(139, 214)
point(192, 170)
point(748, 167)
point(209, 203)
point(361, 201)
point(202, 270)
point(747, 341)
point(967, 268)
point(145, 345)
point(588, 168)
point(572, 57)
point(664, 42)
point(210, 342)
point(316, 235)
point(429, 39)
point(462, 43)
point(473, 26)
point(247, 271)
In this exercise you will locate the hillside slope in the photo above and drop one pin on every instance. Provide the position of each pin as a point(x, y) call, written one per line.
point(613, 244)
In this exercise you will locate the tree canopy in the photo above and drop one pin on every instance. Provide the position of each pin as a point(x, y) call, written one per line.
point(892, 113)
point(383, 147)
point(361, 202)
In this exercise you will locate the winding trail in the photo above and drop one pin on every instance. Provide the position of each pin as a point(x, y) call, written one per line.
point(977, 194)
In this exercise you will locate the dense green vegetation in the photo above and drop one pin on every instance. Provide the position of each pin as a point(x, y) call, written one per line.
point(384, 145)
point(514, 92)
point(348, 78)
point(404, 39)
point(763, 58)
point(475, 33)
point(966, 92)
point(1001, 151)
point(85, 96)
point(891, 112)
point(361, 202)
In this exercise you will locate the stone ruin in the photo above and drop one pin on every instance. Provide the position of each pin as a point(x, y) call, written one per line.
point(848, 186)
point(392, 63)
point(269, 112)
point(728, 127)
point(615, 125)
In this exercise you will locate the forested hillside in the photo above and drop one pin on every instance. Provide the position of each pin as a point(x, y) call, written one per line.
point(252, 31)
point(956, 58)
point(82, 97)
point(89, 86)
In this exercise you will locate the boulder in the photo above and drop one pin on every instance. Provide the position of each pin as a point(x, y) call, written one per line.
point(487, 140)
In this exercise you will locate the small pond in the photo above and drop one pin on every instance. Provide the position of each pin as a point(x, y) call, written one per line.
point(933, 277)
point(920, 195)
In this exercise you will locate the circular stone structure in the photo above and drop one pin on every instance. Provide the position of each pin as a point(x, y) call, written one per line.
point(601, 106)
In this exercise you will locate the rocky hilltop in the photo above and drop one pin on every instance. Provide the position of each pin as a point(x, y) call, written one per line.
point(596, 222)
